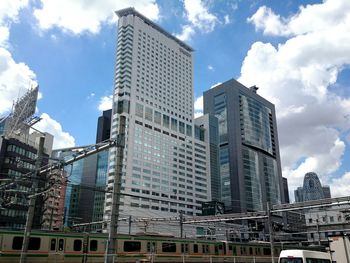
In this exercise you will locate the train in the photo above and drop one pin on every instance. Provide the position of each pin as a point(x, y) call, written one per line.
point(50, 246)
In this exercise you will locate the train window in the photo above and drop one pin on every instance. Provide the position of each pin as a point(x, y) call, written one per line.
point(34, 243)
point(93, 245)
point(132, 246)
point(230, 247)
point(220, 246)
point(17, 243)
point(61, 244)
point(184, 248)
point(267, 251)
point(77, 245)
point(53, 244)
point(168, 247)
point(151, 247)
point(195, 248)
point(250, 251)
point(206, 249)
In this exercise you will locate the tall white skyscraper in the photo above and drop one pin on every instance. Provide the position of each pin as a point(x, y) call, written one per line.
point(165, 169)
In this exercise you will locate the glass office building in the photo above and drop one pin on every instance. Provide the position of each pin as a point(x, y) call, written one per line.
point(249, 161)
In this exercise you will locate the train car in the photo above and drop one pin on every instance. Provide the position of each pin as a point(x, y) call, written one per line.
point(88, 247)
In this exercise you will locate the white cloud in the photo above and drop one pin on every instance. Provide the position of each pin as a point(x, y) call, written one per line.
point(265, 19)
point(15, 80)
point(62, 139)
point(198, 114)
point(9, 10)
point(312, 18)
point(105, 103)
point(340, 186)
point(186, 34)
point(80, 16)
point(227, 19)
point(199, 18)
point(296, 76)
point(217, 84)
point(198, 107)
point(198, 104)
point(210, 67)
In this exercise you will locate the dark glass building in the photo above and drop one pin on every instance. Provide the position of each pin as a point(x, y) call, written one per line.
point(312, 189)
point(85, 192)
point(249, 159)
point(17, 164)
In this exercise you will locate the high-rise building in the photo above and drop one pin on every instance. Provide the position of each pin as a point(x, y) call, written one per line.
point(85, 192)
point(285, 190)
point(312, 189)
point(165, 169)
point(249, 159)
point(17, 162)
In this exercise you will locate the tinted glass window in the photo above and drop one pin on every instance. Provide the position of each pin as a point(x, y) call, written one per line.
point(61, 244)
point(195, 248)
point(267, 251)
point(291, 260)
point(132, 246)
point(93, 245)
point(34, 243)
point(77, 245)
point(17, 243)
point(168, 247)
point(53, 244)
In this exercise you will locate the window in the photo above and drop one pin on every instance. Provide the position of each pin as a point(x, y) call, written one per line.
point(132, 246)
point(61, 244)
point(151, 247)
point(195, 248)
point(149, 114)
point(53, 244)
point(173, 124)
point(157, 117)
point(166, 121)
point(77, 245)
point(93, 245)
point(168, 247)
point(291, 260)
point(184, 248)
point(139, 110)
point(34, 243)
point(267, 251)
point(17, 243)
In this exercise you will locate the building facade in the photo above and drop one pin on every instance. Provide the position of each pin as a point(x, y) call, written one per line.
point(249, 159)
point(85, 189)
point(165, 169)
point(17, 165)
point(312, 189)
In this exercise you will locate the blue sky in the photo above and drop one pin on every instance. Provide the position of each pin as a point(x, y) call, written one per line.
point(296, 52)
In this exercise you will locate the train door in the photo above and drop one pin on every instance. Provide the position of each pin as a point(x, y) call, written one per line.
point(56, 248)
point(220, 249)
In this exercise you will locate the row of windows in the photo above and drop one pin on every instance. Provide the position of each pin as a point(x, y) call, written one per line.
point(21, 151)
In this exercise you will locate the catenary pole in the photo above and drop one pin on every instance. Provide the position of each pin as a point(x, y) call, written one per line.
point(113, 228)
point(269, 222)
point(30, 214)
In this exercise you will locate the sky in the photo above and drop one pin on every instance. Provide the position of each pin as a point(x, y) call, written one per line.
point(296, 52)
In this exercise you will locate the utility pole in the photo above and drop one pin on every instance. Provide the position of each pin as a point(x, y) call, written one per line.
point(30, 214)
point(181, 224)
point(113, 228)
point(269, 222)
point(129, 225)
